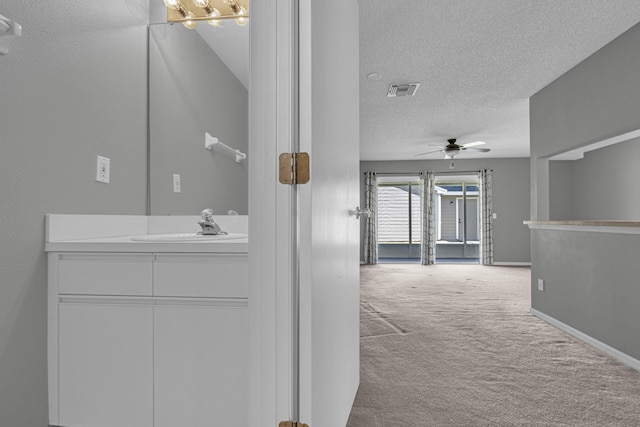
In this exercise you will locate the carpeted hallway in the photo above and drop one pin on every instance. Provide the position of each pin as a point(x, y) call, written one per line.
point(455, 345)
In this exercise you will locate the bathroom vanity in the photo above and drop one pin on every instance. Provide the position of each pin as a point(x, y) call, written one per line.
point(145, 333)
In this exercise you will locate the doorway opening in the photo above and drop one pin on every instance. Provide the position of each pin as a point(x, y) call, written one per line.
point(399, 219)
point(458, 219)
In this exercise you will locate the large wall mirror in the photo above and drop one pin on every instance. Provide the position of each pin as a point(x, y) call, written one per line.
point(198, 83)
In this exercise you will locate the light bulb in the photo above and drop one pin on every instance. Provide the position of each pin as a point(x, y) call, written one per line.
point(172, 4)
point(242, 21)
point(190, 23)
point(233, 4)
point(214, 22)
point(201, 3)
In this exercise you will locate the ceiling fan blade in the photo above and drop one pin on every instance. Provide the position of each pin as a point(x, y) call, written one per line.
point(473, 144)
point(482, 150)
point(429, 152)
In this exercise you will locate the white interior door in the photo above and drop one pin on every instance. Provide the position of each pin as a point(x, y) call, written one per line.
point(329, 234)
point(304, 244)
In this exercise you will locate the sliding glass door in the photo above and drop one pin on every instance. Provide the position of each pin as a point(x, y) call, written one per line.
point(458, 219)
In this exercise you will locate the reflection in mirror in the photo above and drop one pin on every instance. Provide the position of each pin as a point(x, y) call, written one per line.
point(198, 83)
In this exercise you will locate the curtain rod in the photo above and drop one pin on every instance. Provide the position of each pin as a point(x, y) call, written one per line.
point(436, 173)
point(397, 173)
point(459, 172)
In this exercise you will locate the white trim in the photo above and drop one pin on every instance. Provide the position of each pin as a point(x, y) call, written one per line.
point(610, 351)
point(586, 228)
point(270, 213)
point(152, 301)
point(513, 264)
point(52, 337)
point(437, 219)
point(458, 223)
point(578, 153)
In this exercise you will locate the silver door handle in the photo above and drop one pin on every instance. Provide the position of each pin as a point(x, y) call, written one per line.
point(365, 212)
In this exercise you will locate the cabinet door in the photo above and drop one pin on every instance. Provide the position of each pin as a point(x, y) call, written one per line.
point(105, 365)
point(201, 275)
point(105, 274)
point(201, 361)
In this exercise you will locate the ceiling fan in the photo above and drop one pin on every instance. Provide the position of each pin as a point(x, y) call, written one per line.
point(452, 149)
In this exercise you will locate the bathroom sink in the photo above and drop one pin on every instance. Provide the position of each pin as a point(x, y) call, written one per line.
point(187, 237)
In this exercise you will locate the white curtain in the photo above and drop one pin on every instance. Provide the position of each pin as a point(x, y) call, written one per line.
point(428, 249)
point(370, 225)
point(486, 214)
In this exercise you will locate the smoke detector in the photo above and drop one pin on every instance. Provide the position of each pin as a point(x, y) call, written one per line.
point(403, 90)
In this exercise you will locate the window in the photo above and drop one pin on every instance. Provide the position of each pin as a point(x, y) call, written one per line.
point(399, 220)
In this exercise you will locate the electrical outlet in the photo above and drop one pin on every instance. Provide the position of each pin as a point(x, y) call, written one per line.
point(541, 285)
point(495, 215)
point(176, 183)
point(103, 169)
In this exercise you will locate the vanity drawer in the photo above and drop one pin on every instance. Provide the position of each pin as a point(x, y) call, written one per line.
point(105, 274)
point(201, 275)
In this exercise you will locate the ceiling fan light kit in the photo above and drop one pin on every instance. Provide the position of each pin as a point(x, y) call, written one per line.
point(452, 149)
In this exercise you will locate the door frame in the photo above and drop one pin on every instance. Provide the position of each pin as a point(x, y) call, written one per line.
point(271, 213)
point(282, 276)
point(461, 208)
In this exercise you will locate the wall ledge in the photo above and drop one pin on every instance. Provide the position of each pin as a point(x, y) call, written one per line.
point(599, 345)
point(512, 264)
point(593, 226)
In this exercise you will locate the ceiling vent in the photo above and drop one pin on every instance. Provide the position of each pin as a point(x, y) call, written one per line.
point(403, 90)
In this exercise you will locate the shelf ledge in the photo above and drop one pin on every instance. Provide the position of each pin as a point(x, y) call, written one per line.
point(591, 226)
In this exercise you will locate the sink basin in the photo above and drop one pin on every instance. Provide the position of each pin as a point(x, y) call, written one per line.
point(187, 237)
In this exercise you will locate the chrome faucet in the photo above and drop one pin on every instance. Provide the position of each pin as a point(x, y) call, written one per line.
point(208, 224)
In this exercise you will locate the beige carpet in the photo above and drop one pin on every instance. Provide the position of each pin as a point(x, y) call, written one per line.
point(455, 345)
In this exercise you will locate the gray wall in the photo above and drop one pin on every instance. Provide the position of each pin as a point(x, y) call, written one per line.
point(72, 87)
point(193, 92)
point(603, 184)
point(591, 284)
point(561, 190)
point(510, 197)
point(598, 98)
point(590, 278)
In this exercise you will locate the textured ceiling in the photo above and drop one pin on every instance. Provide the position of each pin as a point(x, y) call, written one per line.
point(477, 61)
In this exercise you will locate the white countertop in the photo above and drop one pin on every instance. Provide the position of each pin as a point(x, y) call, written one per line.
point(113, 233)
point(125, 244)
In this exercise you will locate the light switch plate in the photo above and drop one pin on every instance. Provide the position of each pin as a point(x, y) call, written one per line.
point(176, 183)
point(541, 285)
point(103, 169)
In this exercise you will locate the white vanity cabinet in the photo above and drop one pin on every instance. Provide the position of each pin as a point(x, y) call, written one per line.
point(148, 339)
point(105, 365)
point(201, 345)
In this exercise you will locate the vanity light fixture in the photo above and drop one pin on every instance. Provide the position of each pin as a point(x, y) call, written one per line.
point(189, 12)
point(9, 30)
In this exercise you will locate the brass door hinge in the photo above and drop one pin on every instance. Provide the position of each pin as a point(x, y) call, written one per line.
point(294, 168)
point(291, 424)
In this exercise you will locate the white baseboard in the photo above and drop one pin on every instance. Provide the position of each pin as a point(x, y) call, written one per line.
point(513, 264)
point(616, 354)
